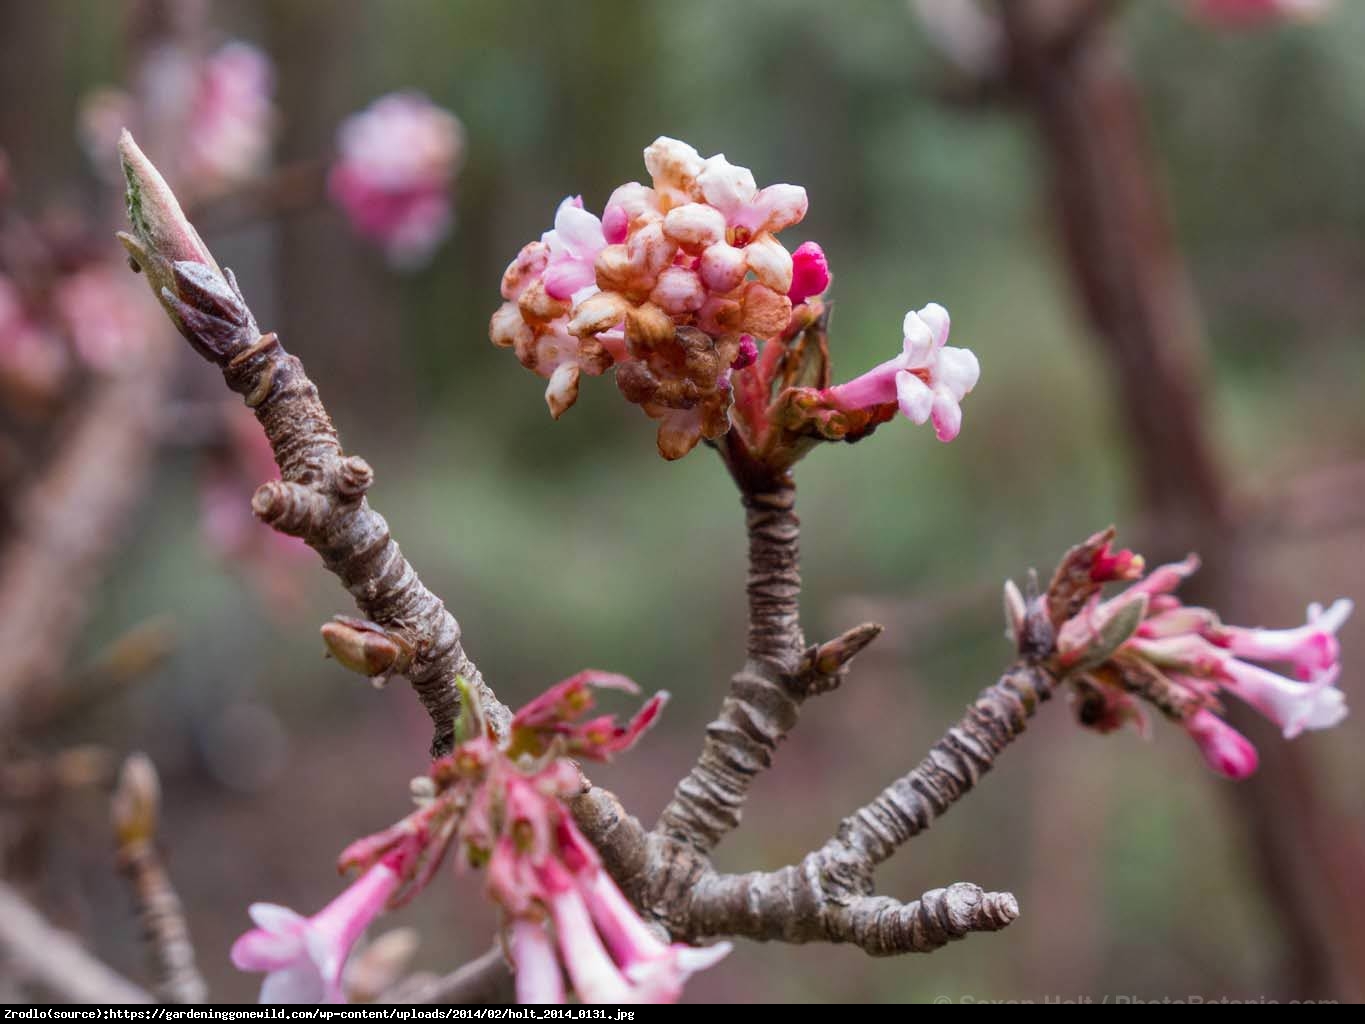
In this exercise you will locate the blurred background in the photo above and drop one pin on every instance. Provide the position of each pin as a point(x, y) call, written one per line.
point(561, 545)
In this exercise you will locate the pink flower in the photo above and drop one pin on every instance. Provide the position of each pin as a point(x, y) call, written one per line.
point(1227, 751)
point(227, 137)
point(32, 361)
point(928, 378)
point(1188, 652)
point(106, 320)
point(574, 243)
point(304, 956)
point(1312, 649)
point(810, 272)
point(1234, 14)
point(397, 161)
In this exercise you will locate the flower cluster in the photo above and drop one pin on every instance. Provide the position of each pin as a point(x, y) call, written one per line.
point(1146, 643)
point(676, 285)
point(684, 288)
point(500, 805)
point(396, 164)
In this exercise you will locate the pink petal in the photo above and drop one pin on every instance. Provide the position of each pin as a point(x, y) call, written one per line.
point(539, 979)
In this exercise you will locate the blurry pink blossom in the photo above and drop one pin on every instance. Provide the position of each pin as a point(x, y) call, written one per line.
point(928, 378)
point(105, 314)
point(393, 176)
point(32, 360)
point(304, 957)
point(227, 134)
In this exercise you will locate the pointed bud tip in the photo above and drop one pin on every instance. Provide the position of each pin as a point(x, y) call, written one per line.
point(137, 800)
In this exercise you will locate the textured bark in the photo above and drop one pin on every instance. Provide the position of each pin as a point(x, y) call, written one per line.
point(52, 958)
point(320, 496)
point(170, 949)
point(764, 698)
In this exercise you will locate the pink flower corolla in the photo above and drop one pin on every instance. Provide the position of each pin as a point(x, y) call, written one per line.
point(695, 251)
point(1238, 14)
point(228, 130)
point(304, 957)
point(928, 379)
point(396, 163)
point(546, 875)
point(1147, 634)
point(501, 805)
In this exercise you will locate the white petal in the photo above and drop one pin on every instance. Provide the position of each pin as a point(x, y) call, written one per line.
point(671, 162)
point(579, 230)
point(695, 224)
point(956, 370)
point(919, 341)
point(947, 415)
point(770, 262)
point(277, 919)
point(726, 186)
point(914, 396)
point(938, 322)
point(298, 983)
point(1334, 617)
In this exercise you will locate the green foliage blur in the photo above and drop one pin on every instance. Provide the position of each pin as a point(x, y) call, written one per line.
point(571, 544)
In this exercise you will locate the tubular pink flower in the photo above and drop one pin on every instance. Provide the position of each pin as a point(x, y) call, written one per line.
point(539, 979)
point(1226, 750)
point(1292, 706)
point(810, 272)
point(928, 379)
point(304, 957)
point(398, 158)
point(1311, 649)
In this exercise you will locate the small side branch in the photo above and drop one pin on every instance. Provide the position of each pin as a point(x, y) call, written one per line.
point(487, 979)
point(55, 960)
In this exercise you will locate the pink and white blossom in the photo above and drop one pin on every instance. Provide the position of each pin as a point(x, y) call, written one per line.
point(927, 380)
point(228, 127)
point(304, 957)
point(396, 165)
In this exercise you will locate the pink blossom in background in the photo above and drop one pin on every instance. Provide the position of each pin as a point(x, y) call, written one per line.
point(33, 361)
point(1233, 14)
point(394, 172)
point(928, 379)
point(105, 315)
point(305, 956)
point(228, 122)
point(228, 130)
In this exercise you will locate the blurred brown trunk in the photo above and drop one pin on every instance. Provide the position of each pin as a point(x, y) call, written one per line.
point(1127, 270)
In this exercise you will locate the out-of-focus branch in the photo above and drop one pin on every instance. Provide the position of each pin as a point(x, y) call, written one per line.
point(136, 810)
point(321, 494)
point(70, 521)
point(486, 979)
point(53, 959)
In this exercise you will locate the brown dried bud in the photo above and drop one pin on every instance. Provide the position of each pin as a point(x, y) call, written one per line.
point(647, 328)
point(137, 801)
point(364, 647)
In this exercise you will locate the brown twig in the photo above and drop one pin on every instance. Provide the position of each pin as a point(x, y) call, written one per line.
point(52, 958)
point(486, 979)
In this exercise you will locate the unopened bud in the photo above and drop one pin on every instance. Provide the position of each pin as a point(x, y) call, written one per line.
point(137, 800)
point(364, 647)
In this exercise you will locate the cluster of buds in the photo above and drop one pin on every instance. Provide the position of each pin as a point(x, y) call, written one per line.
point(1145, 643)
point(676, 285)
point(227, 121)
point(500, 805)
point(393, 175)
point(1237, 14)
point(684, 288)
